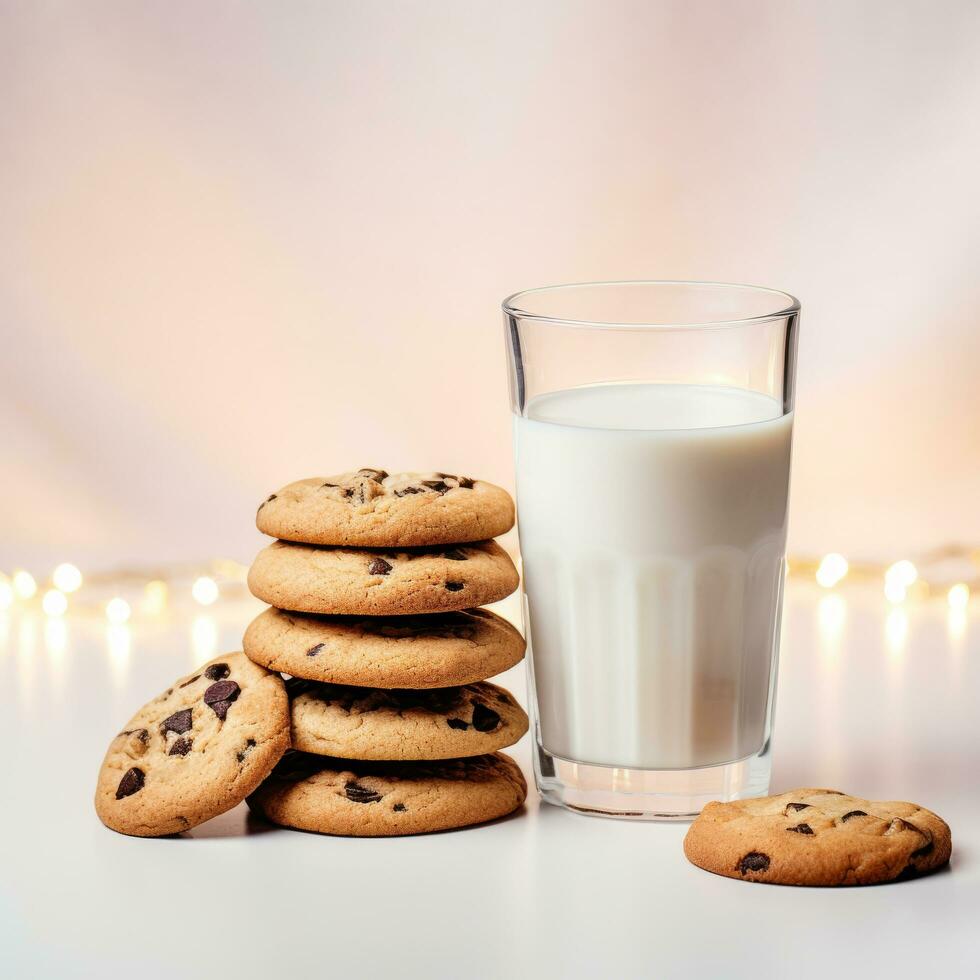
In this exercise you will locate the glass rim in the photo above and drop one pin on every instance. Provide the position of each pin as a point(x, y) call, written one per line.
point(790, 305)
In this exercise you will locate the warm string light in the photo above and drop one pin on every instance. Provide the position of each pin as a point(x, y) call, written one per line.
point(67, 578)
point(117, 611)
point(110, 594)
point(54, 603)
point(958, 595)
point(832, 569)
point(899, 580)
point(204, 590)
point(23, 584)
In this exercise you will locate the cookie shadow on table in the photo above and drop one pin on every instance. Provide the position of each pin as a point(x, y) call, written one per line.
point(236, 822)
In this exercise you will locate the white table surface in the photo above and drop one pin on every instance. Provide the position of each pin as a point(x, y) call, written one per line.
point(885, 705)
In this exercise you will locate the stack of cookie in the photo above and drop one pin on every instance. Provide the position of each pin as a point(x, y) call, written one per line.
point(374, 584)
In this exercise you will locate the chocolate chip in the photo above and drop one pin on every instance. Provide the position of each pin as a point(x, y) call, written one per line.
point(313, 651)
point(458, 723)
point(180, 747)
point(333, 485)
point(249, 745)
point(179, 722)
point(196, 677)
point(399, 808)
point(219, 696)
point(220, 708)
point(132, 782)
point(797, 806)
point(440, 486)
point(802, 828)
point(503, 699)
point(222, 691)
point(141, 733)
point(852, 813)
point(376, 475)
point(357, 793)
point(754, 861)
point(465, 483)
point(217, 672)
point(455, 586)
point(485, 719)
point(454, 554)
point(379, 566)
point(347, 493)
point(407, 490)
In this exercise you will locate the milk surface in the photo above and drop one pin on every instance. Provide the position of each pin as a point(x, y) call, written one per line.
point(652, 522)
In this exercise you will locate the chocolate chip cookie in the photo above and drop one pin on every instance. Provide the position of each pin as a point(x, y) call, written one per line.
point(372, 509)
point(367, 723)
point(440, 650)
point(817, 837)
point(195, 751)
point(387, 799)
point(351, 581)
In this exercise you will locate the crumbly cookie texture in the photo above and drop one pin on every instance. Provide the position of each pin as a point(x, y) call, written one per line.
point(351, 581)
point(195, 751)
point(387, 799)
point(370, 508)
point(818, 837)
point(440, 650)
point(366, 723)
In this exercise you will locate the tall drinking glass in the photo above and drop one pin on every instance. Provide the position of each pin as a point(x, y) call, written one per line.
point(652, 432)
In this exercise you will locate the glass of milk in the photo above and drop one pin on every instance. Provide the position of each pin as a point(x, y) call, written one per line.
point(652, 430)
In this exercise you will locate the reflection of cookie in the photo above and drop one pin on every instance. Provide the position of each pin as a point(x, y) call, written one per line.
point(817, 837)
point(195, 751)
point(385, 799)
point(371, 509)
point(366, 723)
point(349, 581)
point(441, 650)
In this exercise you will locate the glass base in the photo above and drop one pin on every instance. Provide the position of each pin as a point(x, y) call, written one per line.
point(647, 794)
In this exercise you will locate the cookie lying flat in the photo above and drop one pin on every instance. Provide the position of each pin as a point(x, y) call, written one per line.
point(350, 581)
point(386, 799)
point(371, 509)
point(196, 751)
point(366, 723)
point(817, 837)
point(441, 650)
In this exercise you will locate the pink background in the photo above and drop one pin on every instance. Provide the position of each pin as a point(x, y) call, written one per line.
point(245, 243)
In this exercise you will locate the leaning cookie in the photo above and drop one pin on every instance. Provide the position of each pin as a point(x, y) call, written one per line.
point(387, 799)
point(818, 837)
point(366, 723)
point(195, 751)
point(440, 650)
point(350, 581)
point(373, 509)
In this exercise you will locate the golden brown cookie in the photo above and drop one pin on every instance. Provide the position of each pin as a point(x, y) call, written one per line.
point(387, 799)
point(368, 723)
point(372, 509)
point(440, 650)
point(352, 581)
point(195, 751)
point(817, 837)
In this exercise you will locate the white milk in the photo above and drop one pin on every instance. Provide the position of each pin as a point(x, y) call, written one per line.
point(653, 525)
